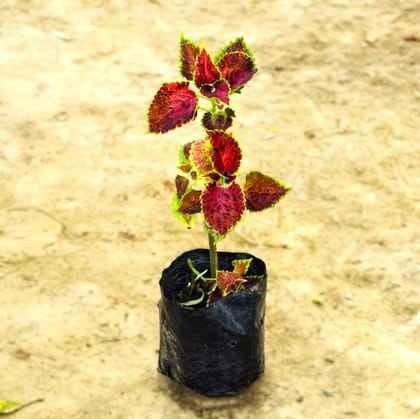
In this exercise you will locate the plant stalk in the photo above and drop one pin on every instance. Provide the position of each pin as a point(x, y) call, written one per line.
point(214, 265)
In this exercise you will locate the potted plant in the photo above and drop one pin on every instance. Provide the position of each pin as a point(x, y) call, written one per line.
point(212, 303)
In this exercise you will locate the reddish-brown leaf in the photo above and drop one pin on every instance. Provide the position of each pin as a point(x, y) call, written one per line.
point(215, 296)
point(189, 54)
point(190, 203)
point(184, 163)
point(237, 68)
point(238, 45)
point(228, 282)
point(241, 266)
point(226, 153)
point(181, 184)
point(173, 105)
point(222, 206)
point(219, 120)
point(187, 219)
point(205, 71)
point(262, 191)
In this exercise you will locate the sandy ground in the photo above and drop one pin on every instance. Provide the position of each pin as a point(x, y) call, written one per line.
point(86, 226)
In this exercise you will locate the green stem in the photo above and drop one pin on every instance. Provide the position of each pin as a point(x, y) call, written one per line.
point(213, 254)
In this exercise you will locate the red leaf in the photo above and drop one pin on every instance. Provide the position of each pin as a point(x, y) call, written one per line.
point(237, 68)
point(215, 296)
point(173, 105)
point(181, 184)
point(226, 153)
point(222, 206)
point(219, 89)
point(189, 54)
point(228, 282)
point(190, 203)
point(262, 191)
point(238, 45)
point(205, 71)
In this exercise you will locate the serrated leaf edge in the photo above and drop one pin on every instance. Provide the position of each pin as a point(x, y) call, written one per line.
point(187, 41)
point(197, 106)
point(287, 188)
point(209, 227)
point(224, 51)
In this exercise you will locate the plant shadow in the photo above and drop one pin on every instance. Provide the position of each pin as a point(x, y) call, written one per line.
point(215, 407)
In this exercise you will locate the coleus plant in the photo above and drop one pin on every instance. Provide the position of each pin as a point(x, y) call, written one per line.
point(208, 179)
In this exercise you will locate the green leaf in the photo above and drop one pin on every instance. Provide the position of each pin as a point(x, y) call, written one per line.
point(8, 407)
point(193, 302)
point(198, 275)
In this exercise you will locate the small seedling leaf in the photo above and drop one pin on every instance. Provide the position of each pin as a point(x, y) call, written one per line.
point(181, 184)
point(8, 407)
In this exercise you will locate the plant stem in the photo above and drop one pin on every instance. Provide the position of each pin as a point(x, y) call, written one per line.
point(213, 254)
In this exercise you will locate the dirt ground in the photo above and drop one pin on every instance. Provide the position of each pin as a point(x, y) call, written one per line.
point(86, 226)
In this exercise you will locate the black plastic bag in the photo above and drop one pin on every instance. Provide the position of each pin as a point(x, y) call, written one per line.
point(217, 350)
